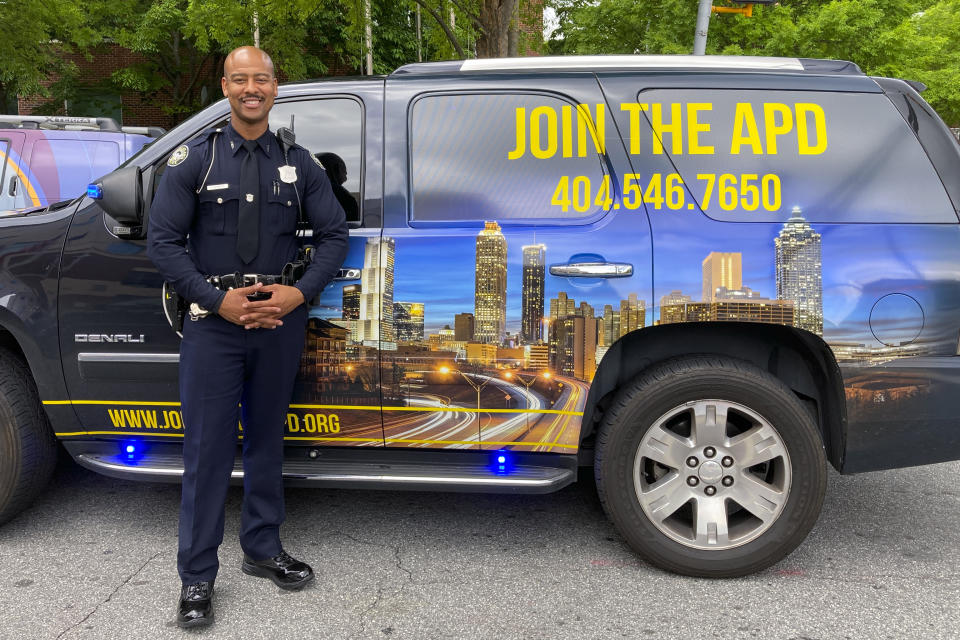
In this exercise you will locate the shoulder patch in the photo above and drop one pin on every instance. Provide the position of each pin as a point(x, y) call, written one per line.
point(179, 155)
point(317, 160)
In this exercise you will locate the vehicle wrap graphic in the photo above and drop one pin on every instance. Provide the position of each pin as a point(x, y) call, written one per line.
point(456, 323)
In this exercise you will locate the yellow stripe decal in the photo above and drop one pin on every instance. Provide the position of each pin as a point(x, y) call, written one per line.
point(329, 406)
point(119, 433)
point(329, 439)
point(124, 403)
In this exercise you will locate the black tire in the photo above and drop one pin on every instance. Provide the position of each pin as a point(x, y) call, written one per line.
point(627, 480)
point(28, 449)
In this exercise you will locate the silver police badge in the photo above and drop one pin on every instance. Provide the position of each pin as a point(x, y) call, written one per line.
point(288, 174)
point(179, 155)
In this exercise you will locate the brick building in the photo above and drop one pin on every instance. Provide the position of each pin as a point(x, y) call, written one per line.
point(101, 97)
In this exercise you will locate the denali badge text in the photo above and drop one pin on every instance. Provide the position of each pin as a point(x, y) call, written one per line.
point(108, 337)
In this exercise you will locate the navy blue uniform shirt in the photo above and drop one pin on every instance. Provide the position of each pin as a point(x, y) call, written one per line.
point(193, 219)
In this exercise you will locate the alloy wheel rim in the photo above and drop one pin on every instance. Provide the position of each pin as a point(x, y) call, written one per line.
point(712, 474)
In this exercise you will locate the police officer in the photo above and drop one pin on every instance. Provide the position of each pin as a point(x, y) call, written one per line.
point(227, 205)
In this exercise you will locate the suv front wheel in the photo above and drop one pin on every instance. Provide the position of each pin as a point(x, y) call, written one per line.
point(28, 450)
point(710, 466)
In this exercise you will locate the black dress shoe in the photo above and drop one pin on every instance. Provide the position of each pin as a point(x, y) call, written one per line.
point(285, 571)
point(196, 606)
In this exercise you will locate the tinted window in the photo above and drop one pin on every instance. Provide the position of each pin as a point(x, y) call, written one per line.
point(838, 157)
point(71, 164)
point(333, 129)
point(460, 168)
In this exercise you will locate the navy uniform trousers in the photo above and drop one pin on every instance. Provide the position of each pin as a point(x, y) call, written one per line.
point(223, 365)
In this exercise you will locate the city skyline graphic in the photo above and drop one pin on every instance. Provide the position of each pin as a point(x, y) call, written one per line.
point(507, 296)
point(441, 329)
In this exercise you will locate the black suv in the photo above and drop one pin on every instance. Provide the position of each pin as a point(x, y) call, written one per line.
point(706, 277)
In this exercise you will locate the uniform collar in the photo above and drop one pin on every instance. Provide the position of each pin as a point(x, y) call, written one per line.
point(236, 140)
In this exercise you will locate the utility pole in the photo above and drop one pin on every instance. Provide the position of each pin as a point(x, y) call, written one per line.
point(703, 23)
point(368, 37)
point(419, 37)
point(703, 19)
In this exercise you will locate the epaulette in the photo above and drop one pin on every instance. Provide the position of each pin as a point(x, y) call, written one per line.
point(204, 137)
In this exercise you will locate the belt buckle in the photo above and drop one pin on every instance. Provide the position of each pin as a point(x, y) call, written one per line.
point(250, 279)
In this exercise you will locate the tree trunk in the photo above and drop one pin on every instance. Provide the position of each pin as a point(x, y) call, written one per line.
point(3, 98)
point(494, 40)
point(513, 34)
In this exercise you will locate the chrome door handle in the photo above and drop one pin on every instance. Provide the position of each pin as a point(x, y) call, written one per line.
point(348, 273)
point(592, 270)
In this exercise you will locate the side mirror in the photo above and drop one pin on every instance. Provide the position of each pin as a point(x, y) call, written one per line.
point(121, 195)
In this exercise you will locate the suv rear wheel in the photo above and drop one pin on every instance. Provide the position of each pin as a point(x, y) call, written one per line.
point(710, 466)
point(28, 450)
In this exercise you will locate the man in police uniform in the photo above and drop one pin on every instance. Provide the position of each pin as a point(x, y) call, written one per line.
point(226, 206)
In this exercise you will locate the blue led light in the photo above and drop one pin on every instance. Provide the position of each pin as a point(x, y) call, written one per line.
point(94, 191)
point(501, 462)
point(131, 451)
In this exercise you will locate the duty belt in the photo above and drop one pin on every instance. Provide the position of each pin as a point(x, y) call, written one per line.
point(292, 273)
point(237, 280)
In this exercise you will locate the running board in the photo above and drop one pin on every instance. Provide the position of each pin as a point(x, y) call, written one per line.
point(473, 473)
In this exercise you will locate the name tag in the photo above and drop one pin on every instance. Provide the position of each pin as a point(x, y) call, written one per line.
point(217, 187)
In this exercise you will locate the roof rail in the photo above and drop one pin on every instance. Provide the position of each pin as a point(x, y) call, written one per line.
point(153, 132)
point(591, 63)
point(60, 122)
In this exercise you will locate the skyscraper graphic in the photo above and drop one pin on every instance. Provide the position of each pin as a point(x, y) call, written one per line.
point(376, 291)
point(610, 326)
point(463, 327)
point(561, 306)
point(721, 270)
point(533, 281)
point(799, 272)
point(633, 314)
point(490, 290)
point(408, 321)
point(351, 302)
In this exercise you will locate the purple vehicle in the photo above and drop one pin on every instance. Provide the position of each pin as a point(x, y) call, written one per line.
point(46, 159)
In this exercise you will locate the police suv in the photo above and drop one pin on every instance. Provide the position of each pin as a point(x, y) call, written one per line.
point(706, 277)
point(49, 159)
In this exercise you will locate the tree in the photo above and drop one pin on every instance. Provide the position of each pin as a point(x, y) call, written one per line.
point(914, 39)
point(494, 25)
point(33, 38)
point(937, 63)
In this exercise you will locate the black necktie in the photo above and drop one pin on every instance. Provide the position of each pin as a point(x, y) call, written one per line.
point(248, 223)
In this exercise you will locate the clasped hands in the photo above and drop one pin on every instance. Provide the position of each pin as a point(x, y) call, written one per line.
point(265, 314)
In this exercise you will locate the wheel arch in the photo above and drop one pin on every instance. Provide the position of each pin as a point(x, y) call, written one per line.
point(800, 359)
point(46, 372)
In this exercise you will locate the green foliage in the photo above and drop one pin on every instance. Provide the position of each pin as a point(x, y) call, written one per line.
point(182, 43)
point(913, 39)
point(937, 64)
point(33, 37)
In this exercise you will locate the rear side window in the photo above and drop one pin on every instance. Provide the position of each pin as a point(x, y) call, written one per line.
point(72, 164)
point(758, 155)
point(6, 200)
point(460, 166)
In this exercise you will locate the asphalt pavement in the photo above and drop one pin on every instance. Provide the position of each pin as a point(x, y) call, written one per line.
point(95, 558)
